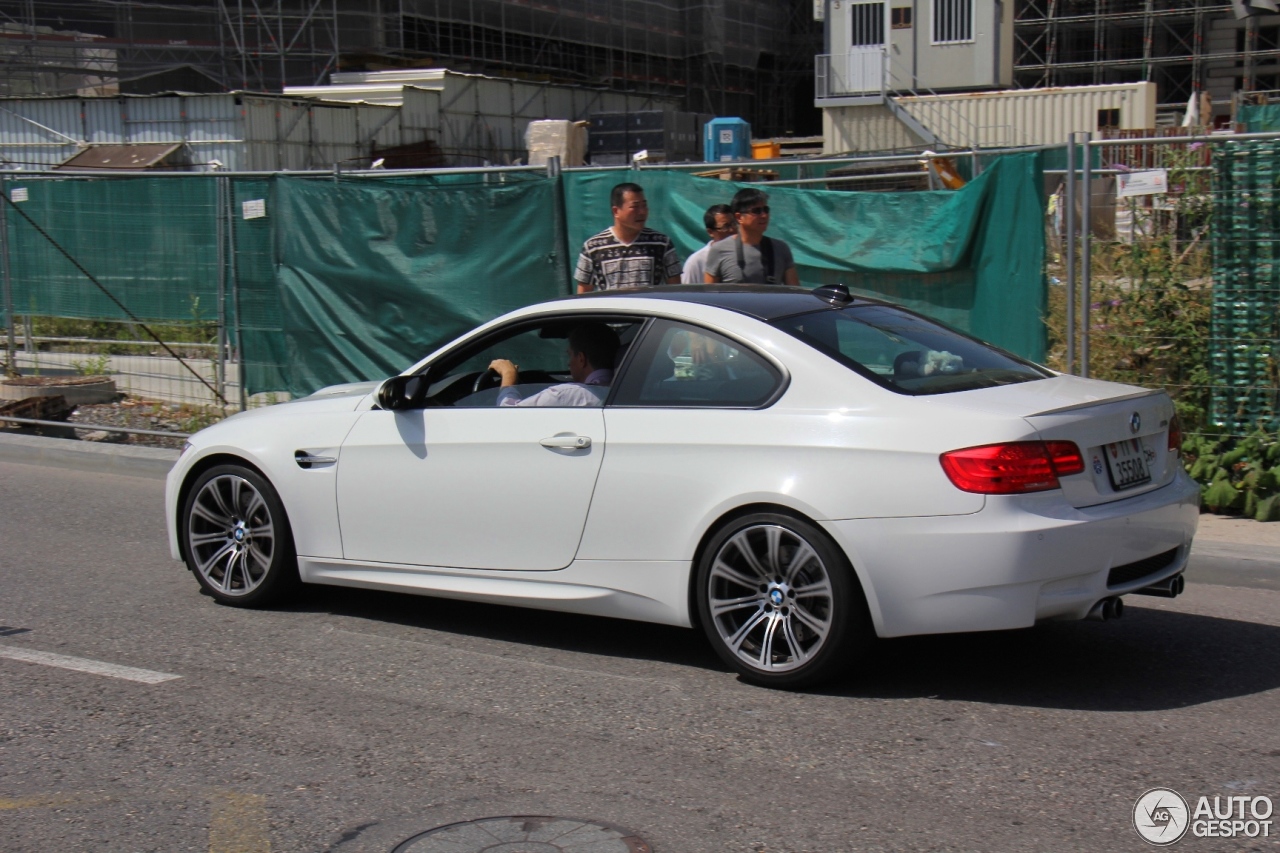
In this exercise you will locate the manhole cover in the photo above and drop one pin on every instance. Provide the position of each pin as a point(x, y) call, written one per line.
point(525, 834)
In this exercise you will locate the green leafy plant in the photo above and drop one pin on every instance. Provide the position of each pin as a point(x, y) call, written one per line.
point(92, 366)
point(1237, 476)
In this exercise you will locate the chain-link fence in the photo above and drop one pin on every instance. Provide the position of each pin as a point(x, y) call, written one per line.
point(1163, 264)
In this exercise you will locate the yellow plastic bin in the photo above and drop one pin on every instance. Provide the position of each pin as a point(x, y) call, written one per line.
point(766, 150)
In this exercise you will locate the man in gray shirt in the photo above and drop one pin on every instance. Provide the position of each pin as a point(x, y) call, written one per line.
point(751, 257)
point(719, 223)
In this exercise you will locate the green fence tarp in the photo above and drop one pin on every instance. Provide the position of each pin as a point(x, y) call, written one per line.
point(136, 236)
point(372, 276)
point(1259, 118)
point(343, 280)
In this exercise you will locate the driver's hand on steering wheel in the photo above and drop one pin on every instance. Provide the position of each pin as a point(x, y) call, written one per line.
point(509, 371)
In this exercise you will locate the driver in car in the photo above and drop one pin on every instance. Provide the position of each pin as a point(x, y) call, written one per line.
point(592, 350)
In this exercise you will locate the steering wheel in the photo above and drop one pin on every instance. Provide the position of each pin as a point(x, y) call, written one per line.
point(488, 379)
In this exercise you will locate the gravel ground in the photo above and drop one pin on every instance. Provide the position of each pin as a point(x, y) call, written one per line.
point(134, 413)
point(140, 414)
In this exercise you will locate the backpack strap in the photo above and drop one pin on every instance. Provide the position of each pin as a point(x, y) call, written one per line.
point(766, 259)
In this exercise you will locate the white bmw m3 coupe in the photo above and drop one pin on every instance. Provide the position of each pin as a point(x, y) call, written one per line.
point(792, 471)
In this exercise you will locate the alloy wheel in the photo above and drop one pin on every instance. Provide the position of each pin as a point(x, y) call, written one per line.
point(770, 597)
point(231, 535)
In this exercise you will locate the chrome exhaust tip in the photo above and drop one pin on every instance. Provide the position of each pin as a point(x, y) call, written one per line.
point(1167, 588)
point(1107, 608)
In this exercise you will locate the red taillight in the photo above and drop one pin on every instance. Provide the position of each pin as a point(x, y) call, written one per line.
point(1067, 458)
point(1175, 437)
point(1014, 468)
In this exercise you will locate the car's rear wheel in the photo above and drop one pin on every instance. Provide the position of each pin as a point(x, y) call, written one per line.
point(236, 538)
point(779, 601)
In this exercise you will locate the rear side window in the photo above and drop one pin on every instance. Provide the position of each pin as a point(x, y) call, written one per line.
point(906, 352)
point(679, 365)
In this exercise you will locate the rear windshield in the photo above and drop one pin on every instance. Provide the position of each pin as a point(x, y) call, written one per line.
point(906, 352)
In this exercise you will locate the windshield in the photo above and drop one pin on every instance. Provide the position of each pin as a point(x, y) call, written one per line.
point(906, 352)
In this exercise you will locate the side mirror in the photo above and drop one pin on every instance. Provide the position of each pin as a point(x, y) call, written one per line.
point(402, 392)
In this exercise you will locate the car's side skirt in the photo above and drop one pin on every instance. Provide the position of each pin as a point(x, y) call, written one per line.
point(645, 591)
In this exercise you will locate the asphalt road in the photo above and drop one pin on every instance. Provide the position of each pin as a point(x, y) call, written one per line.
point(355, 720)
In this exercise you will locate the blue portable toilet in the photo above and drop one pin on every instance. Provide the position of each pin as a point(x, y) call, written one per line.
point(726, 139)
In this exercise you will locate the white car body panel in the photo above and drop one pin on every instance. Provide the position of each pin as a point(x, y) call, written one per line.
point(649, 591)
point(1021, 560)
point(267, 439)
point(466, 503)
point(468, 488)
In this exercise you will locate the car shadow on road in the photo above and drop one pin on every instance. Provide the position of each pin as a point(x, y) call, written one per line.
point(570, 632)
point(1150, 660)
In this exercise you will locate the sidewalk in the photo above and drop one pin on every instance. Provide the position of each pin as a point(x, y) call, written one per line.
point(1227, 551)
point(1235, 552)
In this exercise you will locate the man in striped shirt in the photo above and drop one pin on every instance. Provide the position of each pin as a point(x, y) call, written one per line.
point(627, 254)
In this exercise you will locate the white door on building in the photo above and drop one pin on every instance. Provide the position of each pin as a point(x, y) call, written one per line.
point(864, 71)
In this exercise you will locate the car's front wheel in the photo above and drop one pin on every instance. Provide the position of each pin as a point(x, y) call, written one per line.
point(236, 538)
point(779, 601)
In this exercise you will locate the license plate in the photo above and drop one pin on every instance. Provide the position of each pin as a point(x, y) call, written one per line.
point(1127, 464)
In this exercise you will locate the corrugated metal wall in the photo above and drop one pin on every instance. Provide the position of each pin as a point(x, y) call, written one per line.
point(477, 118)
point(472, 118)
point(1031, 116)
point(870, 127)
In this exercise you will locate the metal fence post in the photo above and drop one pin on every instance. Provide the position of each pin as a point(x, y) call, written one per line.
point(233, 273)
point(10, 343)
point(220, 366)
point(1069, 248)
point(1086, 243)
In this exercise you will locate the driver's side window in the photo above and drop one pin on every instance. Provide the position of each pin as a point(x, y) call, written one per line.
point(539, 351)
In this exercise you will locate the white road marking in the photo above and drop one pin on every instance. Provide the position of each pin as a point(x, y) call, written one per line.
point(96, 667)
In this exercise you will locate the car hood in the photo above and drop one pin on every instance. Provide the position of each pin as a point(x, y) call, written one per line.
point(348, 389)
point(335, 398)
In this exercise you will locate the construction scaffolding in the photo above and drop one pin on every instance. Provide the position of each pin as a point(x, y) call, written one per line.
point(1184, 46)
point(751, 58)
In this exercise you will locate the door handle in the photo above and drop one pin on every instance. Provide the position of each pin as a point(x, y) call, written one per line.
point(569, 442)
point(305, 460)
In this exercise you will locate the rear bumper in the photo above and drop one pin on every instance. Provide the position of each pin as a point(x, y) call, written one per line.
point(1020, 560)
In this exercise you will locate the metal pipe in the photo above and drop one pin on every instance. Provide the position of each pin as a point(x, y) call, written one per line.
point(10, 341)
point(61, 174)
point(1213, 137)
point(1069, 249)
point(45, 339)
point(220, 370)
point(233, 272)
point(95, 427)
point(844, 178)
point(1086, 254)
point(1167, 588)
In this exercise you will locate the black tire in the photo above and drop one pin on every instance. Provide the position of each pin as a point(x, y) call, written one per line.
point(236, 538)
point(779, 601)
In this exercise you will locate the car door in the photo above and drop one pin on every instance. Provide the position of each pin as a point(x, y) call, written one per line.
point(686, 434)
point(463, 482)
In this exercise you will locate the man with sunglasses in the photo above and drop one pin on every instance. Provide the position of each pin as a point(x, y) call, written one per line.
point(750, 257)
point(719, 224)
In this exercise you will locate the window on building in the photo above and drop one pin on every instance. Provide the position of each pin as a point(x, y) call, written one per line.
point(867, 23)
point(900, 17)
point(1108, 118)
point(952, 21)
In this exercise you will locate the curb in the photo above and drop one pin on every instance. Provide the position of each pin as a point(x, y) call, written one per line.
point(1234, 564)
point(149, 462)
